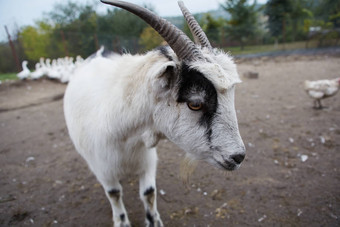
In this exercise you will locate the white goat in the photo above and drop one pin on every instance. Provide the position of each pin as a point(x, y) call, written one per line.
point(117, 108)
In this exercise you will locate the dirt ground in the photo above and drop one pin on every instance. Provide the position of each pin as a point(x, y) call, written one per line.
point(290, 176)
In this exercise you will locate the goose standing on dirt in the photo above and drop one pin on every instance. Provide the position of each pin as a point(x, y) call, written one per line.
point(25, 71)
point(38, 73)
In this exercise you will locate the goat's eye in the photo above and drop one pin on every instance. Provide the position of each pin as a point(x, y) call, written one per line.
point(195, 106)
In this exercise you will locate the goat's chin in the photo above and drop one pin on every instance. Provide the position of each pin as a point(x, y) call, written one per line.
point(226, 166)
point(229, 166)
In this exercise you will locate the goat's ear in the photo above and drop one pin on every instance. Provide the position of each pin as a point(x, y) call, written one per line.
point(166, 77)
point(169, 76)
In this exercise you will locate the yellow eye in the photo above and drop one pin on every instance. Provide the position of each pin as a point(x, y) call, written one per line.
point(195, 106)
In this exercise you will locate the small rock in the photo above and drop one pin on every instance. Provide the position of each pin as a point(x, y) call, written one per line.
point(322, 139)
point(262, 218)
point(162, 192)
point(251, 75)
point(303, 158)
point(61, 198)
point(291, 140)
point(326, 140)
point(217, 194)
point(222, 212)
point(251, 145)
point(333, 216)
point(29, 159)
point(299, 212)
point(191, 211)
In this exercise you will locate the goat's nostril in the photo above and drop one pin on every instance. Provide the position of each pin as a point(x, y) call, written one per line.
point(238, 158)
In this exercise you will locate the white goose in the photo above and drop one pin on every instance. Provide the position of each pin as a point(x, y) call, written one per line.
point(25, 71)
point(79, 61)
point(53, 70)
point(38, 73)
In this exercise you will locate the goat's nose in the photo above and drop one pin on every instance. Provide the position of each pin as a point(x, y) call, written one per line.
point(238, 158)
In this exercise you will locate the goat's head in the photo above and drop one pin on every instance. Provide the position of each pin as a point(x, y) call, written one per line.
point(196, 106)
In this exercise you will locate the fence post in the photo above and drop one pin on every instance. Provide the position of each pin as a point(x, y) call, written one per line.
point(13, 50)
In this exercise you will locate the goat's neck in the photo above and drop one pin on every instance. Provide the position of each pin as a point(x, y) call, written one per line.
point(139, 101)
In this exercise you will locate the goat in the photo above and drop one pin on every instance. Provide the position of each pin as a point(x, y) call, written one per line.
point(117, 108)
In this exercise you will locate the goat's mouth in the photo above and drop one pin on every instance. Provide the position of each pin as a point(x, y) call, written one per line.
point(227, 165)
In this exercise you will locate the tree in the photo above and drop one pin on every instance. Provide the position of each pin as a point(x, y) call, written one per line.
point(75, 29)
point(64, 14)
point(329, 10)
point(150, 38)
point(278, 12)
point(212, 27)
point(243, 24)
point(121, 29)
point(35, 40)
point(297, 15)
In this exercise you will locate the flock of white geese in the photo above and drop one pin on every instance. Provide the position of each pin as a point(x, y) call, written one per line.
point(58, 69)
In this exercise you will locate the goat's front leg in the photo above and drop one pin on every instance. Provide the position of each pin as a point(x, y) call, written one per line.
point(114, 193)
point(148, 191)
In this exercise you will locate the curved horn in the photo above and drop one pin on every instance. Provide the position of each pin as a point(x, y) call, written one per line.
point(184, 48)
point(196, 30)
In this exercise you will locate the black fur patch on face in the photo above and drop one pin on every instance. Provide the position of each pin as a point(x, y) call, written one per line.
point(194, 83)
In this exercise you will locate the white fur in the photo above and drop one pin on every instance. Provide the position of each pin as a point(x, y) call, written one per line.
point(117, 108)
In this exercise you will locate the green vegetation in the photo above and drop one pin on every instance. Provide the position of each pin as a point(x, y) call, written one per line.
point(150, 38)
point(252, 49)
point(243, 24)
point(72, 29)
point(8, 76)
point(36, 40)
